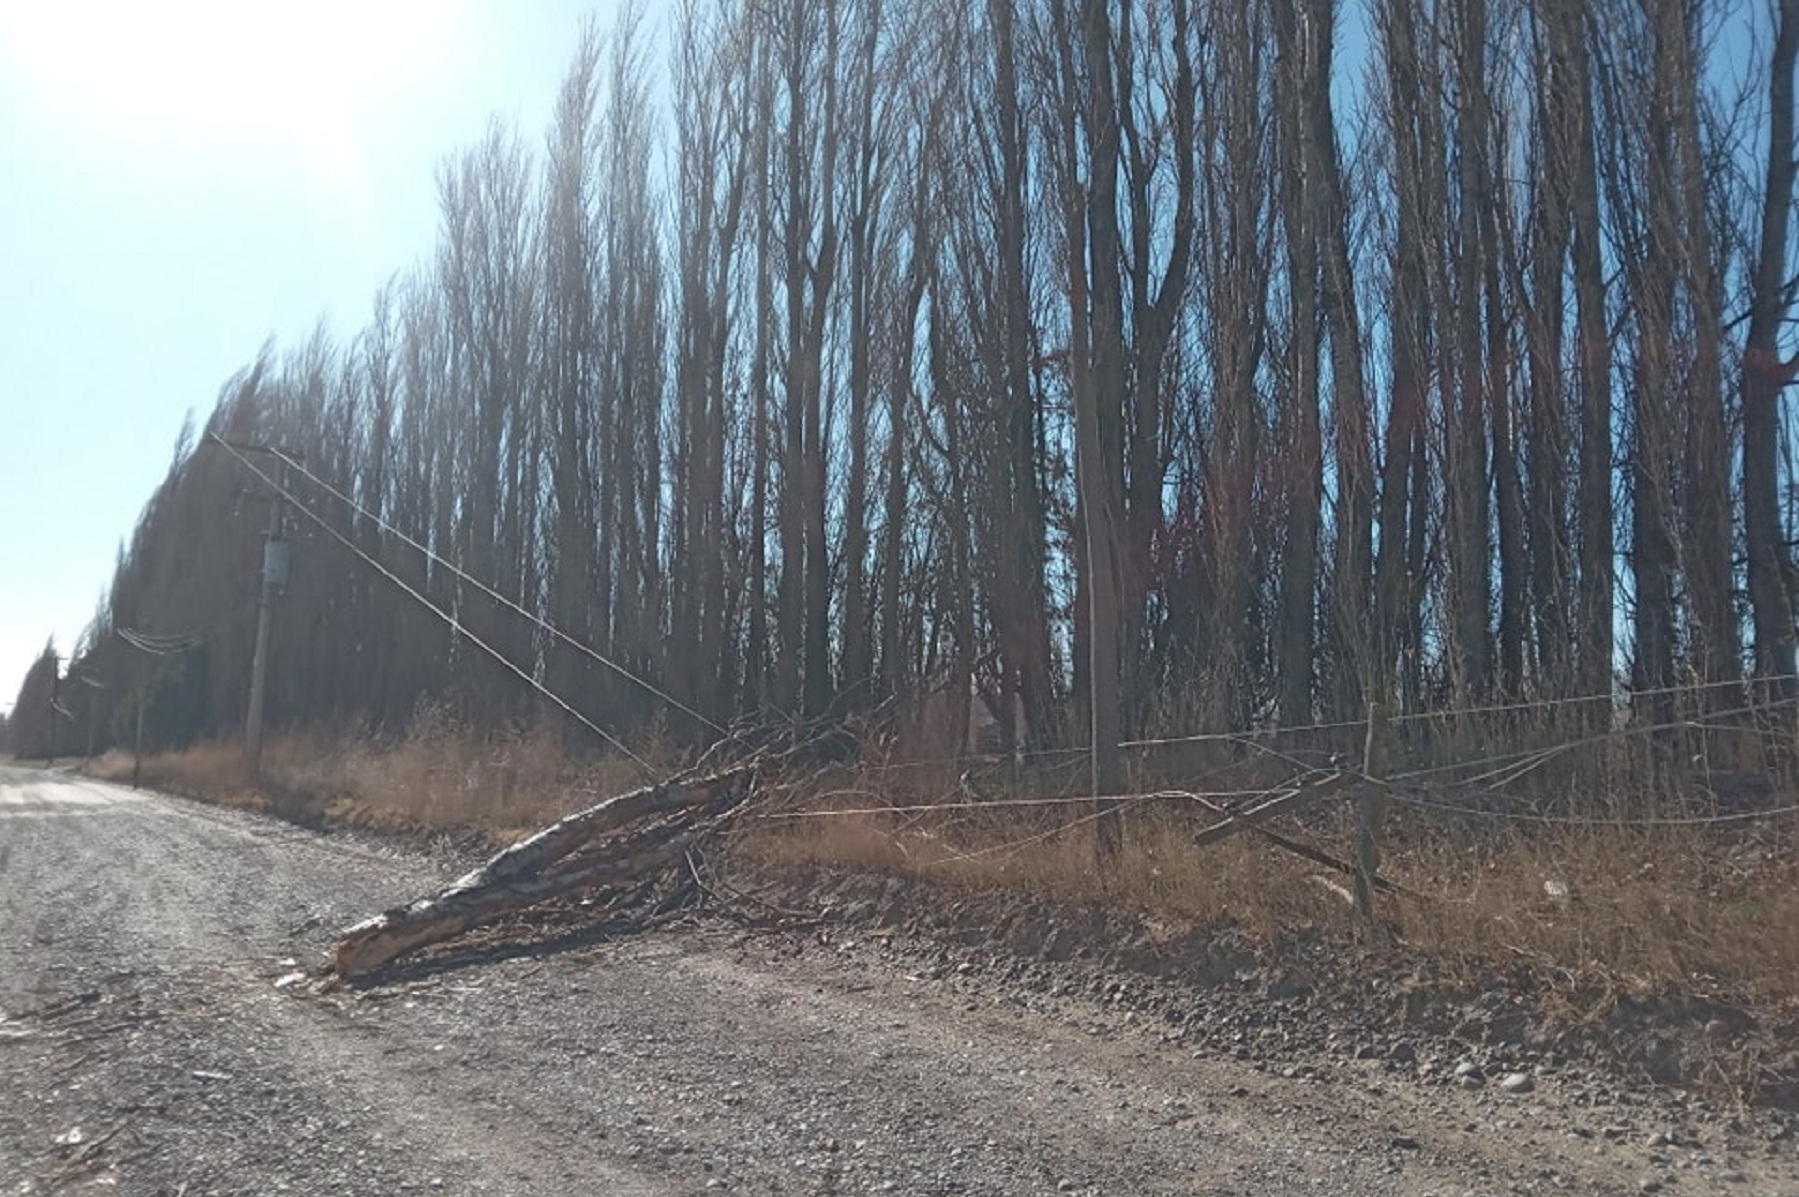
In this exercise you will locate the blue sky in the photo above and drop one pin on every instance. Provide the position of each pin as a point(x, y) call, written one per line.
point(184, 179)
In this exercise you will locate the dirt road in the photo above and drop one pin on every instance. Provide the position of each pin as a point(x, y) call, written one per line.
point(149, 1046)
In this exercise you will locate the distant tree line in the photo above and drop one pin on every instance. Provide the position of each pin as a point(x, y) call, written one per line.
point(1138, 365)
point(28, 731)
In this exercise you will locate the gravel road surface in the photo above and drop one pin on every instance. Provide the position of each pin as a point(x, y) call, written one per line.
point(154, 1040)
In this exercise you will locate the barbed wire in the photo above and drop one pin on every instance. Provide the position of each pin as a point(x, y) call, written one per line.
point(1520, 762)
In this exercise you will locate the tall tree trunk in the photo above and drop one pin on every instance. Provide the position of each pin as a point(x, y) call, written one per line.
point(1352, 567)
point(1404, 499)
point(770, 690)
point(1654, 445)
point(1097, 364)
point(1155, 297)
point(1546, 416)
point(1023, 619)
point(862, 235)
point(1498, 249)
point(1706, 556)
point(795, 488)
point(1466, 483)
point(570, 359)
point(1764, 375)
point(819, 685)
point(1301, 451)
point(1235, 288)
point(1594, 549)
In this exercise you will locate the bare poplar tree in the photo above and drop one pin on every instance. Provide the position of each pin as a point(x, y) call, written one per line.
point(1303, 72)
point(1404, 492)
point(570, 353)
point(1546, 415)
point(714, 172)
point(1765, 374)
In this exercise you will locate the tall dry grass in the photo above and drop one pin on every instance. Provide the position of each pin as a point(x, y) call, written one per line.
point(1707, 911)
point(1703, 910)
point(1711, 914)
point(439, 775)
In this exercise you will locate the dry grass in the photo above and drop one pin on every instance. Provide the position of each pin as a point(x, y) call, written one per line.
point(439, 776)
point(212, 771)
point(1235, 882)
point(1614, 908)
point(1705, 912)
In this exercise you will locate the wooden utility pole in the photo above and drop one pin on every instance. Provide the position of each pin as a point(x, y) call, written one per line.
point(93, 685)
point(274, 575)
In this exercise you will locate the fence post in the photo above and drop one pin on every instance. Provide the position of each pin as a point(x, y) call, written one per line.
point(1371, 809)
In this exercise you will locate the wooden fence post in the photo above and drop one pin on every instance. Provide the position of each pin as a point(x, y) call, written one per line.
point(1371, 810)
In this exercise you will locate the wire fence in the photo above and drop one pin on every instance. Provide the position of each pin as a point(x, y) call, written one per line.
point(1489, 787)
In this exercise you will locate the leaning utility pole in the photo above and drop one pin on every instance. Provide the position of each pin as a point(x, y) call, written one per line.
point(274, 576)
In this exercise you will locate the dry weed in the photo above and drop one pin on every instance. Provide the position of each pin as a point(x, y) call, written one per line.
point(438, 775)
point(1707, 912)
point(1703, 912)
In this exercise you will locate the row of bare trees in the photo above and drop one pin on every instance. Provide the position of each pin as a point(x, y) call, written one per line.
point(1135, 364)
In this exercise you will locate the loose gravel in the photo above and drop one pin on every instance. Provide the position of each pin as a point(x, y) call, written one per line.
point(161, 1032)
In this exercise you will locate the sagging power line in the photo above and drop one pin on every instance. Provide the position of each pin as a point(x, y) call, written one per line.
point(454, 624)
point(462, 575)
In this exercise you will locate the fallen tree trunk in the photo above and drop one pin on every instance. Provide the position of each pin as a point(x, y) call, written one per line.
point(588, 850)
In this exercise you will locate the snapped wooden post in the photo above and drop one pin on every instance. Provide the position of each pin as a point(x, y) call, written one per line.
point(1371, 809)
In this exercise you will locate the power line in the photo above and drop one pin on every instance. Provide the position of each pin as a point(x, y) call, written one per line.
point(1528, 757)
point(1107, 806)
point(998, 803)
point(1254, 738)
point(490, 592)
point(160, 646)
point(1593, 821)
point(1627, 694)
point(454, 624)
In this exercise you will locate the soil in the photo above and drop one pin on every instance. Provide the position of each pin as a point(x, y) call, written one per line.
point(1219, 986)
point(162, 1031)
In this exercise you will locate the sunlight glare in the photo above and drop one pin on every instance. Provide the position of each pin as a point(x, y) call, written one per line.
point(194, 78)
